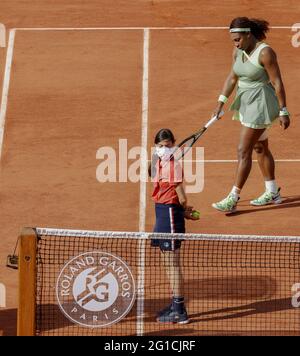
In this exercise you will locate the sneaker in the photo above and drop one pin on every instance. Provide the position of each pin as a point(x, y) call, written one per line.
point(267, 198)
point(227, 205)
point(165, 310)
point(172, 316)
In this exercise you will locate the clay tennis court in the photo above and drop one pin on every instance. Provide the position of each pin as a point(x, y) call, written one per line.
point(77, 84)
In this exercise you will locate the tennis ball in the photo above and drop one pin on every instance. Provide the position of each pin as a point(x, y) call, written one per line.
point(196, 214)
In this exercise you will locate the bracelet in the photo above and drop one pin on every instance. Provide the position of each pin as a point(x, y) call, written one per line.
point(223, 99)
point(284, 112)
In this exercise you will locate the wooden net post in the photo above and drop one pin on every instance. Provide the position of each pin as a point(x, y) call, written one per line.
point(27, 283)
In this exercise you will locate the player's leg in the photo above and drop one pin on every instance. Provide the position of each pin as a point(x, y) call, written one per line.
point(267, 166)
point(248, 139)
point(173, 222)
point(176, 312)
point(265, 160)
point(171, 262)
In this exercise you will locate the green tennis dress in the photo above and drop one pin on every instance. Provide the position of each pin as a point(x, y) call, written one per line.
point(256, 104)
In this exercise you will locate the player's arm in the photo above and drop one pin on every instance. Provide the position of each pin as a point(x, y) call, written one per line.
point(228, 87)
point(181, 195)
point(268, 59)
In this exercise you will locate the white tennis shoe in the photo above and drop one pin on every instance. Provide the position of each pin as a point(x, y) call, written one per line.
point(267, 198)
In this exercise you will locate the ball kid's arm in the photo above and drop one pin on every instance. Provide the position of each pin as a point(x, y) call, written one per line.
point(181, 195)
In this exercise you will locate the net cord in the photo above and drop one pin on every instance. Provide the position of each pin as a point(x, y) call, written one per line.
point(146, 236)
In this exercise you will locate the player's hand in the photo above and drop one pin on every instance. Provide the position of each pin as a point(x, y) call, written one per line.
point(217, 112)
point(284, 122)
point(189, 209)
point(188, 213)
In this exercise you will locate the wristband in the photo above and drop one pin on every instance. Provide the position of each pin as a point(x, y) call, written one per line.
point(284, 112)
point(223, 99)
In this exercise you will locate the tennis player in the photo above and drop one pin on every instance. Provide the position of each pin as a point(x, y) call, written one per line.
point(171, 210)
point(259, 101)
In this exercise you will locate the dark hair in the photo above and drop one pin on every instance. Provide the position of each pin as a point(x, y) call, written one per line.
point(164, 134)
point(258, 27)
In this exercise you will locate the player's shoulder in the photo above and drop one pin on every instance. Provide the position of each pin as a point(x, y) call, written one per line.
point(268, 51)
point(267, 54)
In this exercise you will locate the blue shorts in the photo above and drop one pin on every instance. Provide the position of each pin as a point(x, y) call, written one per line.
point(169, 219)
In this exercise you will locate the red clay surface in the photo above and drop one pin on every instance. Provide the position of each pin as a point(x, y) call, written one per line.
point(74, 92)
point(43, 13)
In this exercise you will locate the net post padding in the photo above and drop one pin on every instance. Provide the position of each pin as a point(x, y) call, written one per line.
point(27, 283)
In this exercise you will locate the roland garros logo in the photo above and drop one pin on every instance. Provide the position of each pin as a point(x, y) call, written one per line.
point(95, 289)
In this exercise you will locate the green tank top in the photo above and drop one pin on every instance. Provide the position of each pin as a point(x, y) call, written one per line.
point(251, 74)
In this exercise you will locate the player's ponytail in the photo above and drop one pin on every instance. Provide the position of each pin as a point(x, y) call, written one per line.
point(258, 27)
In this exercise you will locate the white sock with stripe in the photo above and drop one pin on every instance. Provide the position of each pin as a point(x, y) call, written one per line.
point(235, 192)
point(271, 186)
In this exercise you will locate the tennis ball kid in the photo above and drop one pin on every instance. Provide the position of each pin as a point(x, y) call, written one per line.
point(171, 210)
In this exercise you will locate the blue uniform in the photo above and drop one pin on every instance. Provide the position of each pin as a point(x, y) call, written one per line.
point(169, 219)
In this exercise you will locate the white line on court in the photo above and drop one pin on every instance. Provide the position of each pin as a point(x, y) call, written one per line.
point(2, 296)
point(117, 28)
point(144, 136)
point(234, 161)
point(136, 28)
point(143, 187)
point(6, 82)
point(287, 160)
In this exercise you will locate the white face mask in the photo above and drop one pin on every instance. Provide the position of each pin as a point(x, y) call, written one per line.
point(164, 152)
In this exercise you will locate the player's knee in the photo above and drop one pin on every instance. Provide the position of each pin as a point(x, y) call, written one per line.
point(259, 148)
point(244, 153)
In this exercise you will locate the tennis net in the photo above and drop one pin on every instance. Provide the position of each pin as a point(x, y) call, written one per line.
point(114, 283)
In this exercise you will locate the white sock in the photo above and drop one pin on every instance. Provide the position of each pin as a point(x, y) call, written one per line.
point(271, 186)
point(235, 192)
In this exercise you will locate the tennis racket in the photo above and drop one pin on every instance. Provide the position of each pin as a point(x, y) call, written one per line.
point(183, 148)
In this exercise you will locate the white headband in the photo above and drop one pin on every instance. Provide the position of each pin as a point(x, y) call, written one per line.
point(234, 30)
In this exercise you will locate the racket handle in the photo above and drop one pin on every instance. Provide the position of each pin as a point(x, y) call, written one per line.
point(214, 119)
